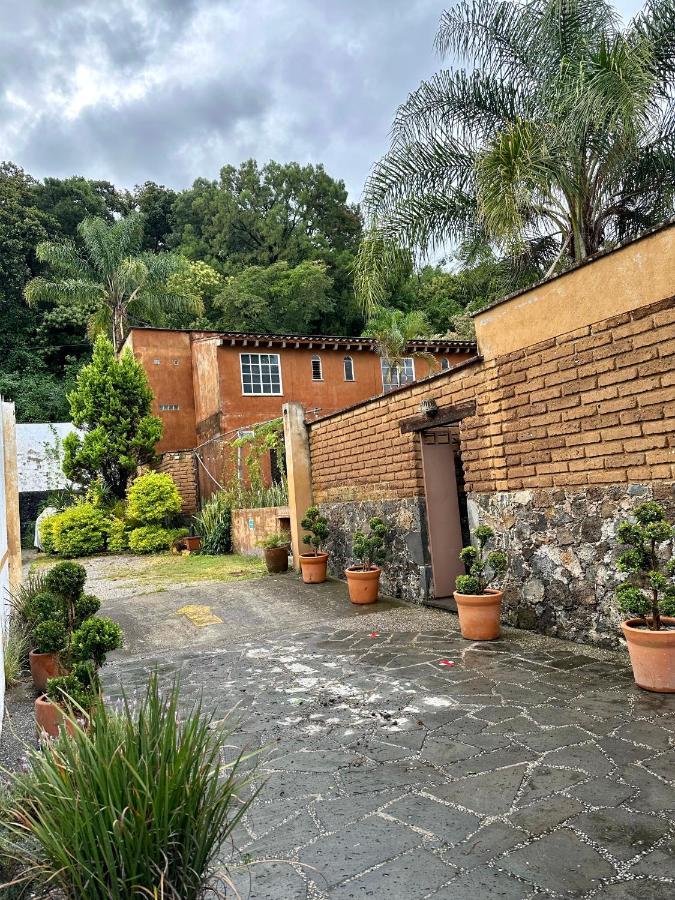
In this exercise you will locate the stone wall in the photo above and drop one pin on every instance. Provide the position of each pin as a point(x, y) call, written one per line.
point(181, 465)
point(407, 570)
point(562, 549)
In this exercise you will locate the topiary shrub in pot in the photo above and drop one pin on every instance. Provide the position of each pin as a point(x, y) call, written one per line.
point(49, 639)
point(275, 550)
point(647, 596)
point(313, 564)
point(363, 578)
point(479, 604)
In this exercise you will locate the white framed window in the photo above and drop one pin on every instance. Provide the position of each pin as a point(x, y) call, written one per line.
point(166, 407)
point(395, 377)
point(317, 374)
point(445, 364)
point(260, 373)
point(349, 368)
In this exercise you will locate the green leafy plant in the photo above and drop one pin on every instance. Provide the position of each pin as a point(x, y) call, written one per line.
point(276, 540)
point(21, 598)
point(649, 591)
point(317, 526)
point(369, 546)
point(49, 637)
point(214, 525)
point(46, 530)
point(95, 638)
point(86, 606)
point(483, 566)
point(68, 692)
point(66, 579)
point(80, 530)
point(153, 499)
point(43, 607)
point(112, 405)
point(153, 538)
point(141, 801)
point(118, 536)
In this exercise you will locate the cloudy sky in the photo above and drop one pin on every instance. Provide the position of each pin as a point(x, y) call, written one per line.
point(169, 90)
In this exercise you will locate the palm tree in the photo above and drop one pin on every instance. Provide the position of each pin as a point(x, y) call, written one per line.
point(111, 279)
point(557, 140)
point(393, 330)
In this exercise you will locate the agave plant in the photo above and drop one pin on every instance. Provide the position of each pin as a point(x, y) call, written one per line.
point(111, 280)
point(555, 140)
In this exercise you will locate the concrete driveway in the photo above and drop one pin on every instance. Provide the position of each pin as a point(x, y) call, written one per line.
point(403, 762)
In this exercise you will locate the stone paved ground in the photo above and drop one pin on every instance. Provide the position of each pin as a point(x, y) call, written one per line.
point(527, 768)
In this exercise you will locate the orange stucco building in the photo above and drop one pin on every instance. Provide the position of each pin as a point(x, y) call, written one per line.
point(218, 383)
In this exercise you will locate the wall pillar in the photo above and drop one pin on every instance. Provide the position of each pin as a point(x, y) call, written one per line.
point(11, 494)
point(299, 472)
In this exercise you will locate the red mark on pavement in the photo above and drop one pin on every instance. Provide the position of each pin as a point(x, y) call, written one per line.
point(445, 662)
point(374, 634)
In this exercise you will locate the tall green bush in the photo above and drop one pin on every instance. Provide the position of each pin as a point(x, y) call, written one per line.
point(153, 499)
point(213, 524)
point(136, 806)
point(80, 530)
point(112, 404)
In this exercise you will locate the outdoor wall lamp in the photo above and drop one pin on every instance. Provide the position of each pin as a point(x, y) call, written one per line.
point(429, 408)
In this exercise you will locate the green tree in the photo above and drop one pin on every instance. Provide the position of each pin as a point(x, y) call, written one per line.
point(276, 298)
point(70, 200)
point(393, 330)
point(155, 203)
point(199, 283)
point(558, 141)
point(112, 403)
point(111, 281)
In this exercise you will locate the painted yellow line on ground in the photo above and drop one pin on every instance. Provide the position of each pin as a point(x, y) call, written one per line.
point(200, 616)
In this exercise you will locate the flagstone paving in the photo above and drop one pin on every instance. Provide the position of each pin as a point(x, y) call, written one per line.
point(529, 768)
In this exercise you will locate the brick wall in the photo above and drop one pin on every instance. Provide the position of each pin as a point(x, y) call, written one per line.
point(595, 406)
point(182, 466)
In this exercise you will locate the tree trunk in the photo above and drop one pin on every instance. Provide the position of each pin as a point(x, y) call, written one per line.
point(118, 335)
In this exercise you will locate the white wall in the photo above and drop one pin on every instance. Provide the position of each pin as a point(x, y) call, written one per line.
point(39, 455)
point(4, 568)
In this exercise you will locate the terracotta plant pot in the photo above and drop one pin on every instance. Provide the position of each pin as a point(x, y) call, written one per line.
point(50, 718)
point(313, 567)
point(42, 667)
point(363, 584)
point(276, 559)
point(652, 655)
point(479, 614)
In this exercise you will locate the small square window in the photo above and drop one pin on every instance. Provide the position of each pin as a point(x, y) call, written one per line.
point(157, 362)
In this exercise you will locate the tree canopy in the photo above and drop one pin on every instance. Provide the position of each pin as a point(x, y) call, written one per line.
point(552, 139)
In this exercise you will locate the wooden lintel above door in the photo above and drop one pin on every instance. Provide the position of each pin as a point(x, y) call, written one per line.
point(446, 415)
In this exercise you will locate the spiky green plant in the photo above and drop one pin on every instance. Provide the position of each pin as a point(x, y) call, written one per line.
point(14, 651)
point(136, 806)
point(213, 524)
point(649, 590)
point(393, 330)
point(111, 280)
point(551, 138)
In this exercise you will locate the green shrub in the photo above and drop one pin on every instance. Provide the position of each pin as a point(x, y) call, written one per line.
point(46, 530)
point(143, 799)
point(94, 638)
point(118, 536)
point(21, 598)
point(49, 637)
point(276, 541)
point(44, 607)
point(66, 579)
point(153, 499)
point(69, 692)
point(649, 591)
point(86, 606)
point(317, 526)
point(80, 530)
point(369, 547)
point(153, 538)
point(482, 566)
point(214, 525)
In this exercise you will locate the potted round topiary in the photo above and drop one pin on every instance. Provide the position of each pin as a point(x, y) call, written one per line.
point(275, 550)
point(70, 696)
point(478, 604)
point(49, 639)
point(313, 565)
point(363, 578)
point(648, 596)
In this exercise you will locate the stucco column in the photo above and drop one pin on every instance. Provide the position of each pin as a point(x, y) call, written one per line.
point(299, 472)
point(11, 494)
